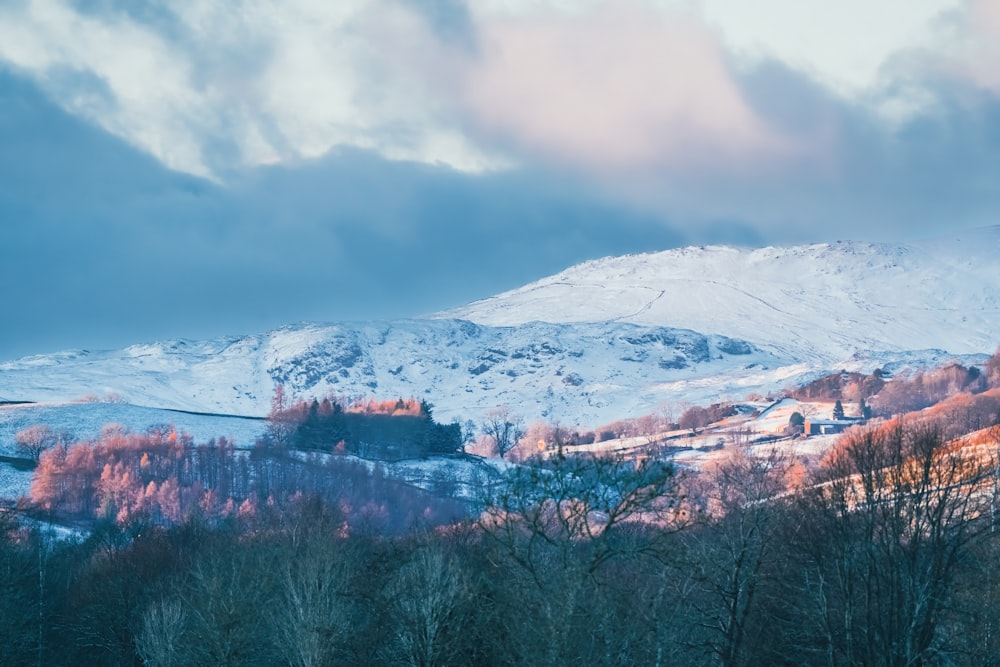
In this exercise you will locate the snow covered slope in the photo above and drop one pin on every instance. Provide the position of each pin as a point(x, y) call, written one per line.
point(84, 421)
point(581, 373)
point(819, 303)
point(602, 340)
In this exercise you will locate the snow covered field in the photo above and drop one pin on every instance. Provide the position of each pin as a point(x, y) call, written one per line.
point(84, 421)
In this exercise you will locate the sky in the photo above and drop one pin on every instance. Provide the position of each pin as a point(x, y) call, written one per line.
point(199, 168)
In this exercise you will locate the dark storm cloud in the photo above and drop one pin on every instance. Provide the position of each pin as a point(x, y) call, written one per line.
point(101, 246)
point(858, 175)
point(934, 172)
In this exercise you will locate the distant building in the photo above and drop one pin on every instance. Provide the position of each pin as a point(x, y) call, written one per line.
point(829, 426)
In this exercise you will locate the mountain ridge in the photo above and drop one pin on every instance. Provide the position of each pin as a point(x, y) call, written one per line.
point(570, 372)
point(806, 301)
point(601, 340)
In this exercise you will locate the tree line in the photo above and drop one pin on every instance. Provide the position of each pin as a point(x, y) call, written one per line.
point(162, 478)
point(909, 392)
point(884, 554)
point(388, 430)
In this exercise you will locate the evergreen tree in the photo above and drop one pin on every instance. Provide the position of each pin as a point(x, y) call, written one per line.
point(309, 433)
point(838, 410)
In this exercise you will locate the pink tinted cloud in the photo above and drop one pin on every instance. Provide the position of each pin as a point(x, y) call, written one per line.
point(984, 26)
point(619, 87)
point(986, 16)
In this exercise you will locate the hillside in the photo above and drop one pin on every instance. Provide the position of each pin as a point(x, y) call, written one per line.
point(581, 373)
point(820, 304)
point(602, 340)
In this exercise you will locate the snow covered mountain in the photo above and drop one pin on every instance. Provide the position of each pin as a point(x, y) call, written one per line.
point(821, 303)
point(582, 373)
point(602, 340)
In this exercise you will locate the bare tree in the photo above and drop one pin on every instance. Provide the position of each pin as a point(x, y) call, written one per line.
point(22, 605)
point(571, 509)
point(741, 437)
point(559, 525)
point(424, 598)
point(161, 637)
point(808, 410)
point(36, 439)
point(732, 548)
point(281, 423)
point(504, 428)
point(223, 601)
point(993, 369)
point(883, 536)
point(311, 615)
point(666, 413)
point(694, 418)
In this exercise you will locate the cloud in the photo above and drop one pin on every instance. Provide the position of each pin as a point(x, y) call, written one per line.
point(979, 45)
point(611, 88)
point(843, 45)
point(114, 72)
point(621, 86)
point(865, 179)
point(209, 87)
point(102, 246)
